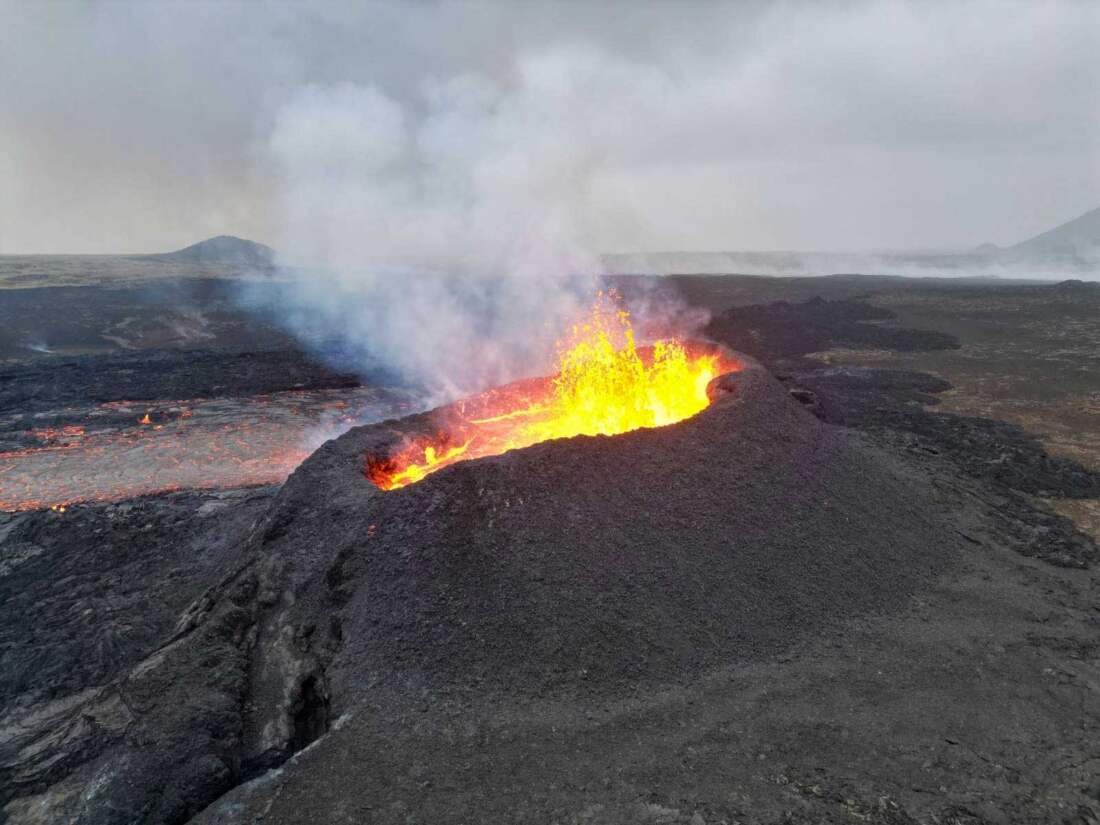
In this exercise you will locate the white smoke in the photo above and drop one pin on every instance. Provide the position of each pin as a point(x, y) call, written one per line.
point(449, 218)
point(455, 230)
point(449, 233)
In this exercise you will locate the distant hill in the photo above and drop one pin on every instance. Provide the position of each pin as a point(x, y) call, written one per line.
point(1075, 241)
point(225, 250)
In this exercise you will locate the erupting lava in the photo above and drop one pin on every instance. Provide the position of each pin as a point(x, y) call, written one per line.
point(605, 385)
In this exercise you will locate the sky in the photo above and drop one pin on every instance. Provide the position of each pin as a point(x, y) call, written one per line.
point(466, 134)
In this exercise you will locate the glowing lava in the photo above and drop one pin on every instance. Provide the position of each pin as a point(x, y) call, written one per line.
point(605, 385)
point(200, 444)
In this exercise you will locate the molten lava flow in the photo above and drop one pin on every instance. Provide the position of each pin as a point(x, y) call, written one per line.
point(605, 385)
point(178, 444)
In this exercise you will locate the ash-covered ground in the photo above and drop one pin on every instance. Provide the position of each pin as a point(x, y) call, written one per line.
point(834, 596)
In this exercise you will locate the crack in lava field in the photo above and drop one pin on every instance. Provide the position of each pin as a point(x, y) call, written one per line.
point(123, 449)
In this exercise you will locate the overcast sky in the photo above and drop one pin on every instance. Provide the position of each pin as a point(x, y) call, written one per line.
point(131, 127)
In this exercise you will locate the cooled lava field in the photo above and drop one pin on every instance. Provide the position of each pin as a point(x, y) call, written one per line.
point(834, 594)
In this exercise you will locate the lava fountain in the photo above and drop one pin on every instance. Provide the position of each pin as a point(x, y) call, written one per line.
point(605, 385)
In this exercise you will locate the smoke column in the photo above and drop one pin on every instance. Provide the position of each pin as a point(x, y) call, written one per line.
point(443, 238)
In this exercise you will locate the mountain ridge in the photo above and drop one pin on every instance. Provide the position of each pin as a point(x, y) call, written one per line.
point(1078, 238)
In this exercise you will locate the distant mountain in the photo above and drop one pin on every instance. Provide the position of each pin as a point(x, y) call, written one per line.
point(1075, 241)
point(225, 250)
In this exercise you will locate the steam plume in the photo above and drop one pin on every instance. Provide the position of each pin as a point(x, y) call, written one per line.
point(447, 232)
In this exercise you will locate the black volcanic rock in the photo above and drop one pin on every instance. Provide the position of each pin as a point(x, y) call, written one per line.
point(577, 566)
point(153, 374)
point(129, 569)
point(784, 330)
point(1003, 456)
point(647, 555)
point(651, 628)
point(88, 598)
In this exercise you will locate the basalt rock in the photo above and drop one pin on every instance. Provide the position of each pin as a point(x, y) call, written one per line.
point(587, 566)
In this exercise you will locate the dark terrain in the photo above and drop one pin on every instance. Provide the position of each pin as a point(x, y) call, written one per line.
point(821, 600)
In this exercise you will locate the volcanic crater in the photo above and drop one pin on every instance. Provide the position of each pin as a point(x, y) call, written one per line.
point(606, 558)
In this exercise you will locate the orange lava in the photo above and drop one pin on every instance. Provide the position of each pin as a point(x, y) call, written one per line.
point(201, 444)
point(108, 466)
point(605, 385)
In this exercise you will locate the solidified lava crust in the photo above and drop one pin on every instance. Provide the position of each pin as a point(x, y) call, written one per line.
point(583, 570)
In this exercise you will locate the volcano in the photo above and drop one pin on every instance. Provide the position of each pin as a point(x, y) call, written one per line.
point(588, 565)
point(644, 555)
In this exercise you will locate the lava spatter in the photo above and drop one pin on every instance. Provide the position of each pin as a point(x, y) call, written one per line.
point(605, 385)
